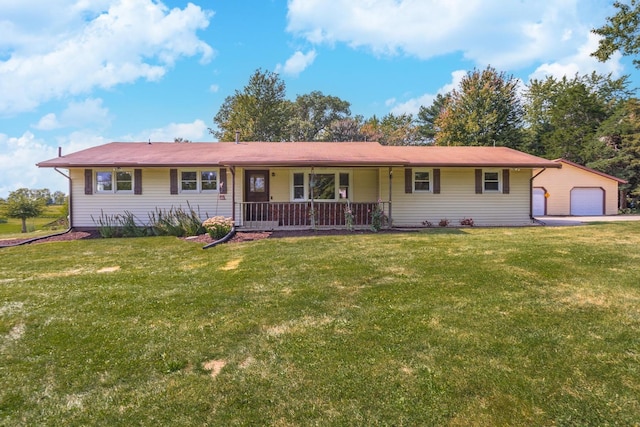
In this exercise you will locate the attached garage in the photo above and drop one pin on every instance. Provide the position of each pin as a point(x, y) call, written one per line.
point(574, 190)
point(587, 201)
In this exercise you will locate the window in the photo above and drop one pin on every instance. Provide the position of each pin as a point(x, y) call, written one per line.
point(104, 182)
point(198, 181)
point(344, 186)
point(421, 181)
point(322, 186)
point(209, 180)
point(124, 181)
point(491, 181)
point(120, 181)
point(298, 186)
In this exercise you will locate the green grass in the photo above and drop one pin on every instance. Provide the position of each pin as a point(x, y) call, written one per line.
point(527, 326)
point(10, 228)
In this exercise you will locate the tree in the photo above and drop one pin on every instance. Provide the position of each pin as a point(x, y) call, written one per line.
point(259, 112)
point(621, 32)
point(427, 117)
point(346, 129)
point(24, 203)
point(563, 116)
point(59, 198)
point(313, 113)
point(485, 110)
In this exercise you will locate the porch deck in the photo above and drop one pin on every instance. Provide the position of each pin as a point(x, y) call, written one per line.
point(310, 215)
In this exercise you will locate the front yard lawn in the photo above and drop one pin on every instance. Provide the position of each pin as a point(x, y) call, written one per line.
point(506, 326)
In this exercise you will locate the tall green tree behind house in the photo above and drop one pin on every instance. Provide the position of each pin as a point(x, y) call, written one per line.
point(427, 117)
point(313, 114)
point(24, 203)
point(260, 112)
point(484, 110)
point(620, 33)
point(563, 115)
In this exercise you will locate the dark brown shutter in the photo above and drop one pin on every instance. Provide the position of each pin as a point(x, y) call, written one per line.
point(478, 181)
point(222, 185)
point(408, 180)
point(137, 181)
point(505, 181)
point(88, 181)
point(173, 181)
point(436, 181)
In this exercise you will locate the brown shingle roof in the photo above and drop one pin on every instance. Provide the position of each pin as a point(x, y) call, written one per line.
point(168, 154)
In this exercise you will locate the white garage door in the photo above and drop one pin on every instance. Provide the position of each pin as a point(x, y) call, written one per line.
point(538, 201)
point(587, 201)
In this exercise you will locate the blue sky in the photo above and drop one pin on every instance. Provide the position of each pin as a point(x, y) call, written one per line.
point(79, 73)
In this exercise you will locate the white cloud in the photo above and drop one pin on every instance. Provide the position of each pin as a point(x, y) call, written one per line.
point(77, 114)
point(581, 63)
point(214, 88)
point(297, 63)
point(412, 106)
point(504, 34)
point(82, 48)
point(195, 131)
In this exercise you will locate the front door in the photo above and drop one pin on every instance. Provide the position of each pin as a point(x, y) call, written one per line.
point(256, 194)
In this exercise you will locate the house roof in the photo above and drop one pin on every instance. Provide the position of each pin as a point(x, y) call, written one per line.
point(602, 174)
point(170, 154)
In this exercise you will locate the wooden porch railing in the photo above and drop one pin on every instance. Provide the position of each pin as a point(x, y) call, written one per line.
point(301, 215)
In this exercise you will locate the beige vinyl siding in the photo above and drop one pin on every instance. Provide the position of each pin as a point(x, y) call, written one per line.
point(458, 200)
point(559, 183)
point(364, 185)
point(155, 194)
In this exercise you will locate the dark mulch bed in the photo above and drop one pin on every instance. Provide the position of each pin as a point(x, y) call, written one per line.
point(239, 237)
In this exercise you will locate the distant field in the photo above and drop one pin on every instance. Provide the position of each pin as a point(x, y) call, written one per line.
point(35, 226)
point(508, 326)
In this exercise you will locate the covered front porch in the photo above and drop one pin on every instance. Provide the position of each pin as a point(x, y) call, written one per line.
point(312, 215)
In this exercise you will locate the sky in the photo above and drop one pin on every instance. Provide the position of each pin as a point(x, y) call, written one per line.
point(80, 73)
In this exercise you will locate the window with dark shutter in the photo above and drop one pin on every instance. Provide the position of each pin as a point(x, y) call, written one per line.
point(88, 181)
point(173, 181)
point(137, 181)
point(436, 181)
point(408, 180)
point(505, 181)
point(478, 181)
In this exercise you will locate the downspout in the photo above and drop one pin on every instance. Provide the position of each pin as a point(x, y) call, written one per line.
point(313, 212)
point(531, 197)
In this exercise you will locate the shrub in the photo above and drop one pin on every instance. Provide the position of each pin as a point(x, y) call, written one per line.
point(176, 222)
point(378, 217)
point(443, 222)
point(427, 223)
point(218, 226)
point(467, 221)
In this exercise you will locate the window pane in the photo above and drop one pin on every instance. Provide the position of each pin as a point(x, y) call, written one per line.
point(209, 180)
point(257, 183)
point(422, 186)
point(298, 192)
point(103, 181)
point(344, 179)
point(421, 181)
point(298, 179)
point(491, 186)
point(323, 186)
point(124, 181)
point(188, 180)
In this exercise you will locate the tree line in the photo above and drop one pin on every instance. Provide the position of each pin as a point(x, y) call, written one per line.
point(589, 119)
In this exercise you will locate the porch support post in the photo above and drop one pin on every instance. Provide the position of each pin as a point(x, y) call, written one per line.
point(233, 193)
point(390, 187)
